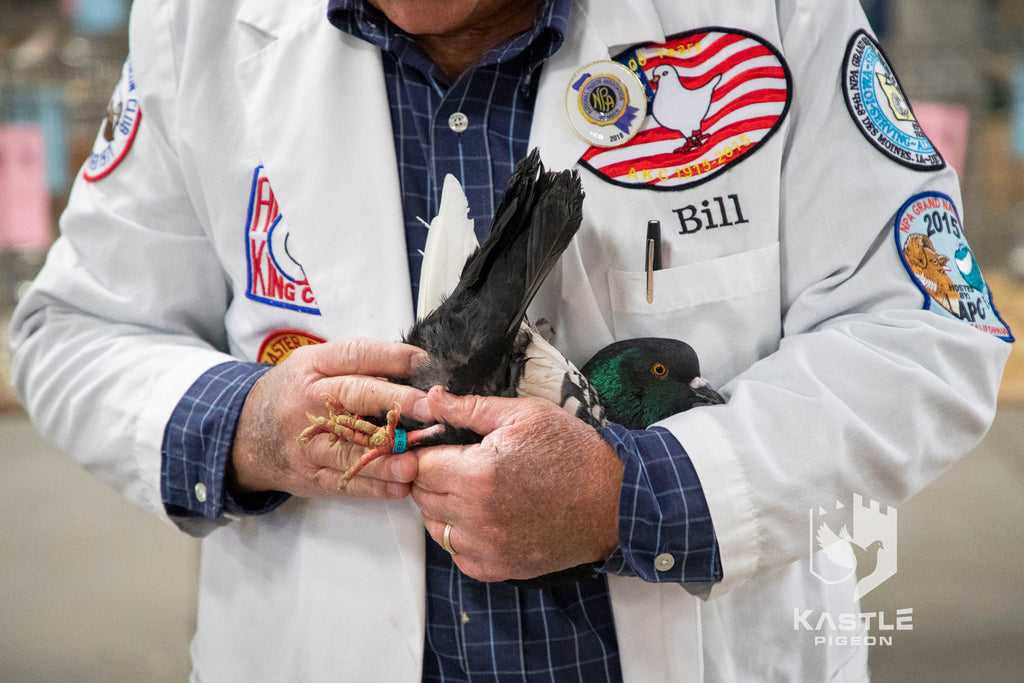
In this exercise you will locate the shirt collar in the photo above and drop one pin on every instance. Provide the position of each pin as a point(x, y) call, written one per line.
point(362, 20)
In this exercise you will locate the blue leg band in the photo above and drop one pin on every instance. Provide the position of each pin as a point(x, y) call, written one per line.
point(400, 441)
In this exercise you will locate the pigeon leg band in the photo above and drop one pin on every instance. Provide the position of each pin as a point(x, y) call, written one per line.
point(401, 441)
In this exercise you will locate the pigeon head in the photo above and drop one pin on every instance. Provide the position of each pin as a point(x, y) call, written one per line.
point(641, 381)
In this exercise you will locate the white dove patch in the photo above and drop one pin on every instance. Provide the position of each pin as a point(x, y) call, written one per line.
point(932, 244)
point(714, 96)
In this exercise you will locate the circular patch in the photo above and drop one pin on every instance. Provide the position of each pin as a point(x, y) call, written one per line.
point(279, 345)
point(881, 110)
point(713, 97)
point(934, 249)
point(117, 133)
point(606, 104)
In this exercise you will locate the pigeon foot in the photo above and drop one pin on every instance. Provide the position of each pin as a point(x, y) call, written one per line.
point(344, 426)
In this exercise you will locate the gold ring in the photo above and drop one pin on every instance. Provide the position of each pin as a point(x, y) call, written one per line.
point(446, 540)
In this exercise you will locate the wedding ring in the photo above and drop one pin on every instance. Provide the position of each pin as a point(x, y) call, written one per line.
point(446, 540)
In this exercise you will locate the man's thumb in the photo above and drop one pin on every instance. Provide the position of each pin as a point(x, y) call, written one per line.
point(481, 414)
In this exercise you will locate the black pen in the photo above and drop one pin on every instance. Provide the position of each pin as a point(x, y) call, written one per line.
point(653, 256)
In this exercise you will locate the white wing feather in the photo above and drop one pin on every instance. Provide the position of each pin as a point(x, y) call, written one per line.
point(450, 241)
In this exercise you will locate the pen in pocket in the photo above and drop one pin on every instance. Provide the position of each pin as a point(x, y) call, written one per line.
point(653, 251)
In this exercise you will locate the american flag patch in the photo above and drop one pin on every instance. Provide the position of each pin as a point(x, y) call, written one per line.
point(713, 97)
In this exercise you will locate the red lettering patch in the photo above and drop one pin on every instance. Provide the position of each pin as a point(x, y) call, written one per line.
point(274, 276)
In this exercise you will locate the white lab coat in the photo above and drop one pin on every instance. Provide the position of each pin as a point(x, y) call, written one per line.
point(837, 381)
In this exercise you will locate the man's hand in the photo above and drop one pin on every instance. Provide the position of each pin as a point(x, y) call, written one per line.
point(265, 455)
point(540, 493)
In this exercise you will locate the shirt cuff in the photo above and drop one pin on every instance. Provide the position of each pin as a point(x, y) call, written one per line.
point(197, 443)
point(665, 528)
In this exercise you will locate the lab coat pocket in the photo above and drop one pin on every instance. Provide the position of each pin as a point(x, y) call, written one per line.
point(727, 308)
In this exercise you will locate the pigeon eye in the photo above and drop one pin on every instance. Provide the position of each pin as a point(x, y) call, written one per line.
point(659, 370)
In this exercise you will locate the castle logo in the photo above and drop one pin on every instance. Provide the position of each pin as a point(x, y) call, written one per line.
point(857, 540)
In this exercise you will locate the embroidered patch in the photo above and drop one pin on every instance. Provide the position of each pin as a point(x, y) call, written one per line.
point(117, 133)
point(714, 97)
point(881, 110)
point(274, 276)
point(279, 345)
point(934, 249)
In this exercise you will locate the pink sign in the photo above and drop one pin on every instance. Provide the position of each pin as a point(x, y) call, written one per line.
point(946, 125)
point(25, 222)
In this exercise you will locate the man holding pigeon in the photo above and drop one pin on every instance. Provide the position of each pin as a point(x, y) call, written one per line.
point(249, 242)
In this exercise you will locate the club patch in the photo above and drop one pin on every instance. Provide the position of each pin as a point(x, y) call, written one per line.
point(117, 132)
point(931, 241)
point(279, 345)
point(881, 110)
point(714, 96)
point(274, 276)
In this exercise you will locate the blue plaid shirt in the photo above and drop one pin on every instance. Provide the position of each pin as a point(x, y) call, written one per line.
point(478, 631)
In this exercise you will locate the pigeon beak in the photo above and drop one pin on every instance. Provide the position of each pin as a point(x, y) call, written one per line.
point(703, 391)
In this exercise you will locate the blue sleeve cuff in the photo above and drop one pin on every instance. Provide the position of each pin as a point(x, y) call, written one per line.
point(197, 443)
point(665, 529)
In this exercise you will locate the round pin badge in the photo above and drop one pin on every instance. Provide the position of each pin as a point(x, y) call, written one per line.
point(606, 103)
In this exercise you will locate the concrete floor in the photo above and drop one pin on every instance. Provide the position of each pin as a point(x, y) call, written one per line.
point(93, 589)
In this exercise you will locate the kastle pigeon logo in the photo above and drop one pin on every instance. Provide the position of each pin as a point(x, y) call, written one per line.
point(857, 540)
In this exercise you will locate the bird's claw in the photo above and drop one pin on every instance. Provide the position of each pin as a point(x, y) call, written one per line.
point(343, 426)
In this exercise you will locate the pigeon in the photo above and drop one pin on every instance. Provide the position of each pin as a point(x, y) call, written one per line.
point(479, 341)
point(681, 109)
point(641, 381)
point(477, 338)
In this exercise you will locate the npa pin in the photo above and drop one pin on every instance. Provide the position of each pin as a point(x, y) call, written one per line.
point(606, 104)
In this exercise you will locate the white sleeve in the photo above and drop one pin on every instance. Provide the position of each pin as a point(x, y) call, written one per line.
point(129, 308)
point(868, 393)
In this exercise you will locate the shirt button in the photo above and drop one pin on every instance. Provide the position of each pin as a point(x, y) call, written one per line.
point(201, 492)
point(458, 122)
point(664, 562)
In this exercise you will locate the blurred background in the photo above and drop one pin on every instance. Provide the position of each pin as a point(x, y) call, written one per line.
point(92, 589)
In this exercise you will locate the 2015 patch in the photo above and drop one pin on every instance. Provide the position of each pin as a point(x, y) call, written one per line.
point(279, 345)
point(881, 110)
point(931, 242)
point(714, 96)
point(117, 133)
point(274, 276)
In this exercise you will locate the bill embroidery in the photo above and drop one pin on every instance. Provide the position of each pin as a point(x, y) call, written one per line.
point(713, 97)
point(931, 242)
point(880, 109)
